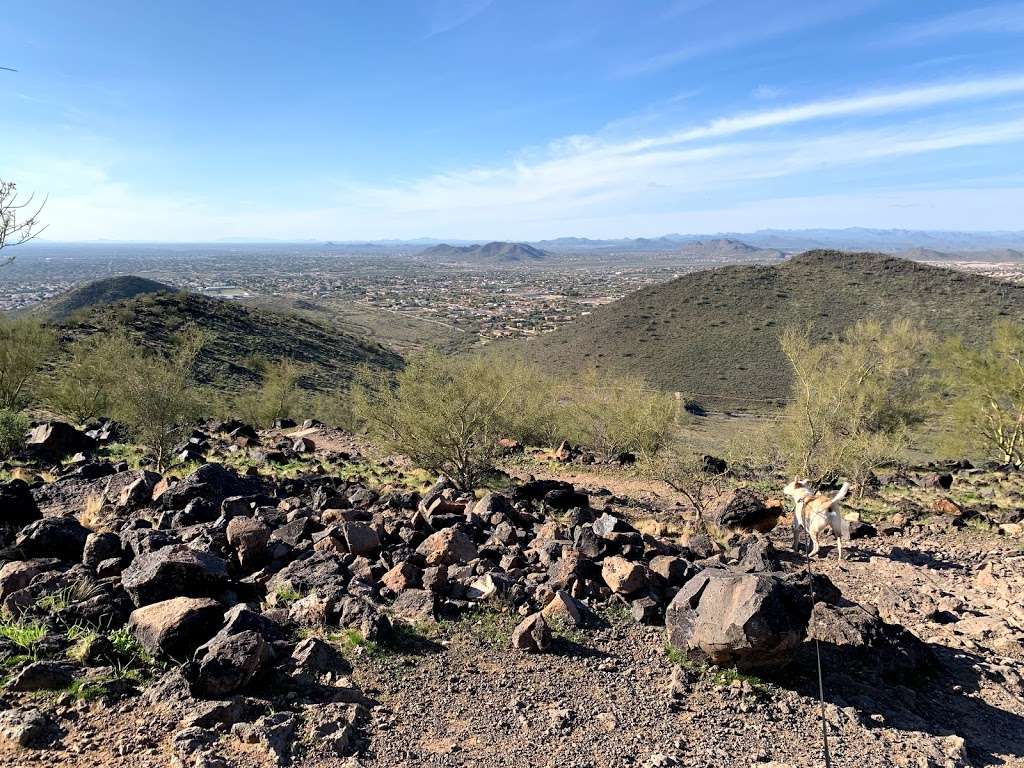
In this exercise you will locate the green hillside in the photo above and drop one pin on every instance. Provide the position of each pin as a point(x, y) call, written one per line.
point(107, 291)
point(714, 334)
point(240, 337)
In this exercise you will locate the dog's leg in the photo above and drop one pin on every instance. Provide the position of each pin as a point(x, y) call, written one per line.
point(814, 543)
point(796, 533)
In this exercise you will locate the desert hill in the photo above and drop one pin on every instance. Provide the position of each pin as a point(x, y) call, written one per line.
point(106, 291)
point(716, 331)
point(240, 335)
point(726, 248)
point(499, 252)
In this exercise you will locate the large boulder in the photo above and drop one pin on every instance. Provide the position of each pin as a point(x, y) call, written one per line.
point(175, 628)
point(56, 439)
point(861, 638)
point(745, 510)
point(174, 571)
point(211, 482)
point(17, 508)
point(60, 537)
point(751, 621)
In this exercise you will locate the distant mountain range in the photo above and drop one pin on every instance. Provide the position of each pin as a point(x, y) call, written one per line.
point(488, 252)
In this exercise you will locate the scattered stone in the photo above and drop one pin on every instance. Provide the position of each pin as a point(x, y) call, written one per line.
point(532, 634)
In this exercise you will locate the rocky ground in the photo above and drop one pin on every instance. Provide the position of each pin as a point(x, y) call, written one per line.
point(294, 603)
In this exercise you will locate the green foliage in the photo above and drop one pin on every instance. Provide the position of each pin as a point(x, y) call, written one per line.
point(25, 633)
point(612, 415)
point(286, 595)
point(854, 400)
point(12, 432)
point(279, 395)
point(86, 386)
point(985, 387)
point(25, 346)
point(159, 397)
point(446, 414)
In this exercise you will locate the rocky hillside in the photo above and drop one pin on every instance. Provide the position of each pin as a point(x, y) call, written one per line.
point(100, 292)
point(497, 252)
point(239, 336)
point(287, 603)
point(717, 331)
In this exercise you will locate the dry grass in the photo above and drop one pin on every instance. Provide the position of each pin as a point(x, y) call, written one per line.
point(92, 514)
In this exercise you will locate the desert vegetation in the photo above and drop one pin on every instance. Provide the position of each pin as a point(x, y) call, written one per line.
point(290, 540)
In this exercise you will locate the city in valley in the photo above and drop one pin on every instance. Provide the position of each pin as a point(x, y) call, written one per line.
point(404, 296)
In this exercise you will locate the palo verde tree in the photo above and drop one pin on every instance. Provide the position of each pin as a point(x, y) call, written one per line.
point(985, 387)
point(159, 398)
point(446, 414)
point(854, 400)
point(25, 345)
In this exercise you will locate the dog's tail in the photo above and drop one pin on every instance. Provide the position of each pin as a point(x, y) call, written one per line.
point(841, 495)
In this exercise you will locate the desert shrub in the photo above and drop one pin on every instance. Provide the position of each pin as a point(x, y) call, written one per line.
point(159, 397)
point(616, 415)
point(12, 432)
point(687, 474)
point(853, 401)
point(334, 408)
point(25, 345)
point(447, 414)
point(985, 391)
point(87, 384)
point(279, 394)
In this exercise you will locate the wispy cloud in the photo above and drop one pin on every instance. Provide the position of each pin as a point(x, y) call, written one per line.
point(774, 25)
point(451, 14)
point(1004, 19)
point(580, 181)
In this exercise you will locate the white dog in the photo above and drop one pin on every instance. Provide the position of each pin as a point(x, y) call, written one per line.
point(816, 512)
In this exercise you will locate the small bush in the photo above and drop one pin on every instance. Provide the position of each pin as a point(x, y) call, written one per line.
point(12, 432)
point(87, 385)
point(25, 345)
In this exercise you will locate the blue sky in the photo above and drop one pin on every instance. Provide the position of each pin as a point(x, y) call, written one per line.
point(512, 119)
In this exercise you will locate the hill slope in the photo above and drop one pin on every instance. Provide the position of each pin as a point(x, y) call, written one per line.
point(489, 252)
point(107, 291)
point(239, 336)
point(716, 331)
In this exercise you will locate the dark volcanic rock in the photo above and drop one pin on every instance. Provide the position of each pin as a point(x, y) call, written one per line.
point(744, 509)
point(752, 621)
point(17, 507)
point(532, 634)
point(174, 571)
point(859, 637)
point(228, 663)
point(56, 439)
point(61, 537)
point(211, 482)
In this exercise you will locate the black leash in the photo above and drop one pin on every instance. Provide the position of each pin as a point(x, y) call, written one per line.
point(817, 651)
